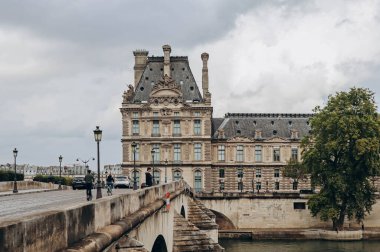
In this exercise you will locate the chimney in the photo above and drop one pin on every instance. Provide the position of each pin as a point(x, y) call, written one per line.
point(204, 58)
point(140, 63)
point(167, 49)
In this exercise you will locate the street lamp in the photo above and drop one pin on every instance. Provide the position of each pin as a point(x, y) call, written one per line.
point(85, 163)
point(60, 168)
point(166, 166)
point(152, 151)
point(134, 146)
point(15, 180)
point(98, 138)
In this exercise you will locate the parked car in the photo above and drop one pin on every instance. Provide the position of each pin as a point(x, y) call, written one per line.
point(78, 183)
point(122, 182)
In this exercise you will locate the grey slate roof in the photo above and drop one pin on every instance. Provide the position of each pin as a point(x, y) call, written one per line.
point(271, 125)
point(180, 72)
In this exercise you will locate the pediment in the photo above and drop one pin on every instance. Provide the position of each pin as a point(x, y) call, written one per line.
point(240, 139)
point(165, 93)
point(276, 140)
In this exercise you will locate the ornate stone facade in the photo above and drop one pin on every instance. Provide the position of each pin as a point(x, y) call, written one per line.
point(164, 111)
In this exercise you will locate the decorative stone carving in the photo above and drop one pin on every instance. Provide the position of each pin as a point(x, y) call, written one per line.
point(167, 83)
point(166, 111)
point(129, 94)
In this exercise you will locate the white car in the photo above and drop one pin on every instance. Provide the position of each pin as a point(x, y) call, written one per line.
point(122, 182)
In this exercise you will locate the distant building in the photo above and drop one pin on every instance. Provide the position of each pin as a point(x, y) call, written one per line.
point(165, 111)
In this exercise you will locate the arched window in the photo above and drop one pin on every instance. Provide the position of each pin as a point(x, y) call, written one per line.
point(137, 178)
point(198, 181)
point(177, 175)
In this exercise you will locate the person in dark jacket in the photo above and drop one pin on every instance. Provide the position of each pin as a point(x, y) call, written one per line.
point(148, 177)
point(89, 179)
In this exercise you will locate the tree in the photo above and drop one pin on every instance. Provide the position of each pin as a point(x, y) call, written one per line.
point(342, 155)
point(295, 170)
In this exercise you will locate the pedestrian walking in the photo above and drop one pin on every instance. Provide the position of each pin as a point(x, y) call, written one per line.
point(89, 179)
point(148, 177)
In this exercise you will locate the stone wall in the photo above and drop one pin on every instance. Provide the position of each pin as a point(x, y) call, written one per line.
point(26, 185)
point(276, 213)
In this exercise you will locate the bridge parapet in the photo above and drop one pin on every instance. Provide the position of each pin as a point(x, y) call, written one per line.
point(57, 230)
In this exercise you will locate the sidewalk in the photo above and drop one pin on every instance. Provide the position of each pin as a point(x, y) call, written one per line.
point(10, 193)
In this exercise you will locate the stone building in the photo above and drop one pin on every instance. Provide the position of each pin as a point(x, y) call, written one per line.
point(171, 124)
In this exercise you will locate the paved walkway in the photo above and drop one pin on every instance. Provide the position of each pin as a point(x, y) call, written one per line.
point(20, 205)
point(10, 193)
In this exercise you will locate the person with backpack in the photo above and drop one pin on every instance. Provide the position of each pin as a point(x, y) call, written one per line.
point(110, 180)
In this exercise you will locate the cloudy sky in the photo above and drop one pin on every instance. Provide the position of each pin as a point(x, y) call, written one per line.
point(65, 64)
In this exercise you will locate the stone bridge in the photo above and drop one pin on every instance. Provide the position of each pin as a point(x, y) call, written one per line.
point(133, 221)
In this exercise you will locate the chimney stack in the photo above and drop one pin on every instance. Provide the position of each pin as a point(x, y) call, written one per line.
point(141, 59)
point(167, 49)
point(204, 58)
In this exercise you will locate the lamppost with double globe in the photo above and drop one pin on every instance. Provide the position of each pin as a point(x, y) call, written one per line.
point(15, 151)
point(85, 163)
point(60, 169)
point(98, 138)
point(153, 151)
point(134, 146)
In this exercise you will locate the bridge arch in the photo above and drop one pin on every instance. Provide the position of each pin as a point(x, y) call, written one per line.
point(159, 245)
point(223, 221)
point(183, 213)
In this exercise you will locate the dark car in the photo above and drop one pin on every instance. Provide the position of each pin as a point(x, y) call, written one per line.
point(78, 183)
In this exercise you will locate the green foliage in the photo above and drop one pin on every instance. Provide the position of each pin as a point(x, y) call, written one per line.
point(342, 155)
point(295, 170)
point(53, 179)
point(9, 176)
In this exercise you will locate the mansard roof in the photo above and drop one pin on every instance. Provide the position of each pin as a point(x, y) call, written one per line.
point(180, 73)
point(270, 125)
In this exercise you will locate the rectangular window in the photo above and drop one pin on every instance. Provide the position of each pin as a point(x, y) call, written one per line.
point(221, 173)
point(197, 151)
point(197, 127)
point(239, 153)
point(276, 154)
point(176, 127)
point(258, 185)
point(156, 127)
point(295, 185)
point(176, 113)
point(240, 173)
point(135, 114)
point(221, 153)
point(177, 152)
point(258, 153)
point(155, 114)
point(197, 113)
point(198, 181)
point(136, 152)
point(276, 173)
point(240, 186)
point(299, 205)
point(294, 154)
point(156, 154)
point(276, 185)
point(221, 185)
point(258, 173)
point(157, 176)
point(135, 127)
